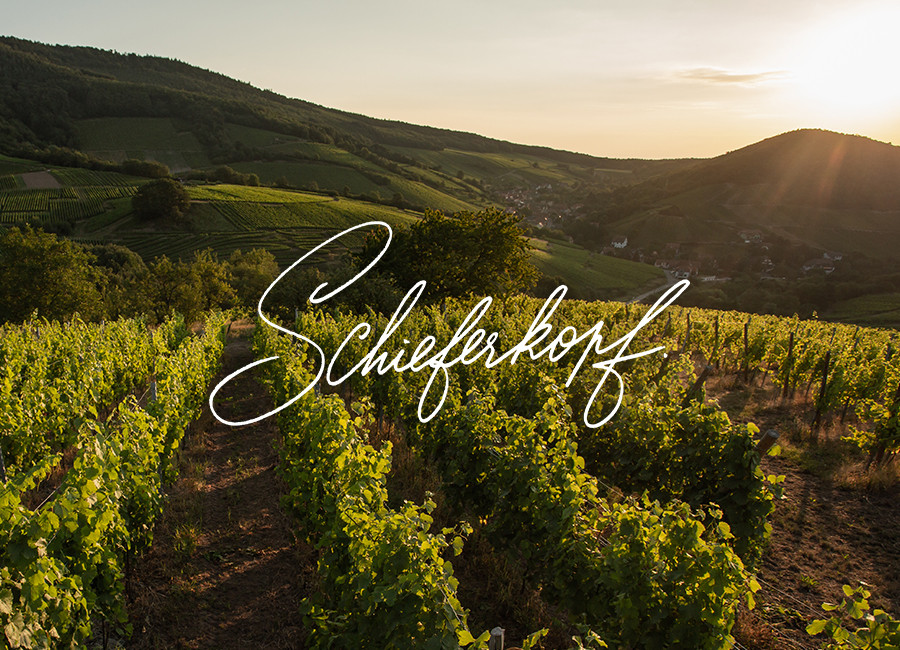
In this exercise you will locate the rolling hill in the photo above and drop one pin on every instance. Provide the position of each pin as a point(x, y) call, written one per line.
point(792, 197)
point(116, 106)
point(823, 190)
point(61, 102)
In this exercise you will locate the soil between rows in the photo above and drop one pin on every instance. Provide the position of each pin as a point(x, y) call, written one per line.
point(225, 570)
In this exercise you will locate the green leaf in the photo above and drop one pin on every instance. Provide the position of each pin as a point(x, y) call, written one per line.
point(465, 637)
point(816, 627)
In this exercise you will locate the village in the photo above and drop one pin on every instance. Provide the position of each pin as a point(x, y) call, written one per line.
point(760, 255)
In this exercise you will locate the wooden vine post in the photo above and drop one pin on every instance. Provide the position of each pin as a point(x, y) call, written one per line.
point(662, 368)
point(765, 443)
point(746, 351)
point(788, 362)
point(687, 333)
point(497, 639)
point(821, 401)
point(716, 344)
point(697, 387)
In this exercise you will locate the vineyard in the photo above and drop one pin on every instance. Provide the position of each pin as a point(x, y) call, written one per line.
point(57, 205)
point(93, 416)
point(643, 533)
point(502, 507)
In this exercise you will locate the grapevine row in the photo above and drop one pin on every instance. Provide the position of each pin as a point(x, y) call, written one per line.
point(385, 583)
point(64, 563)
point(56, 375)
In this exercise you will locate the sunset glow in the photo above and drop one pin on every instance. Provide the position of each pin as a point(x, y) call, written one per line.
point(845, 68)
point(652, 79)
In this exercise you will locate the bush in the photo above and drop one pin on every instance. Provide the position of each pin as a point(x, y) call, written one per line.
point(161, 199)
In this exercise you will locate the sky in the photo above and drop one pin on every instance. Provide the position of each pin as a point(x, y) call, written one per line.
point(629, 78)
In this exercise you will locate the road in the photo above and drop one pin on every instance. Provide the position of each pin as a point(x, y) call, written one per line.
point(670, 281)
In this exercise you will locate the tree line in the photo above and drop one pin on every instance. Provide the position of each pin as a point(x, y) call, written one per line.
point(469, 253)
point(57, 278)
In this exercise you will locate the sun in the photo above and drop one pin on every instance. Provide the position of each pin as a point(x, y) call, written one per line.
point(845, 68)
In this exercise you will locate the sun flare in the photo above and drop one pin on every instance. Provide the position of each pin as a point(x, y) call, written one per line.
point(846, 67)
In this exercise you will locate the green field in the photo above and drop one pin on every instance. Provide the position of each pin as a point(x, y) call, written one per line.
point(292, 146)
point(17, 165)
point(514, 168)
point(590, 275)
point(337, 178)
point(880, 310)
point(134, 133)
point(229, 217)
point(147, 138)
point(249, 208)
point(301, 174)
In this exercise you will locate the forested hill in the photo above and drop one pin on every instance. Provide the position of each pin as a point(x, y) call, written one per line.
point(808, 167)
point(44, 89)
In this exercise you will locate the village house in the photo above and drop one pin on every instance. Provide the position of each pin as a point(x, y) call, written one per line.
point(683, 269)
point(820, 264)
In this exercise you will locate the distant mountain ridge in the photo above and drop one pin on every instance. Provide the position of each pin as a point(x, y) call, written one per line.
point(809, 186)
point(810, 167)
point(155, 86)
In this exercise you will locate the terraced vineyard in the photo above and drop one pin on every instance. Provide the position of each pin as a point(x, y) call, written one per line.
point(81, 194)
point(95, 208)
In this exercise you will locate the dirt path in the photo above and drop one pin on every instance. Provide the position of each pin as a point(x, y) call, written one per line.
point(224, 570)
point(825, 534)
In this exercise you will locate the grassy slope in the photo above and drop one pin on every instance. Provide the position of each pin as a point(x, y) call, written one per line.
point(10, 165)
point(328, 167)
point(881, 310)
point(590, 275)
point(149, 138)
point(230, 217)
point(287, 222)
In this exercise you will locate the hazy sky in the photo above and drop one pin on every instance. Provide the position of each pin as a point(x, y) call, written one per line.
point(630, 78)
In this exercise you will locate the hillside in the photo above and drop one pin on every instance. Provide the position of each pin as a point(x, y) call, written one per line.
point(94, 207)
point(104, 106)
point(820, 189)
point(814, 168)
point(777, 211)
point(114, 106)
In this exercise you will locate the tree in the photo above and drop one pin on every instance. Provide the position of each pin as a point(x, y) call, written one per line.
point(252, 273)
point(483, 253)
point(212, 280)
point(161, 199)
point(146, 168)
point(124, 270)
point(51, 276)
